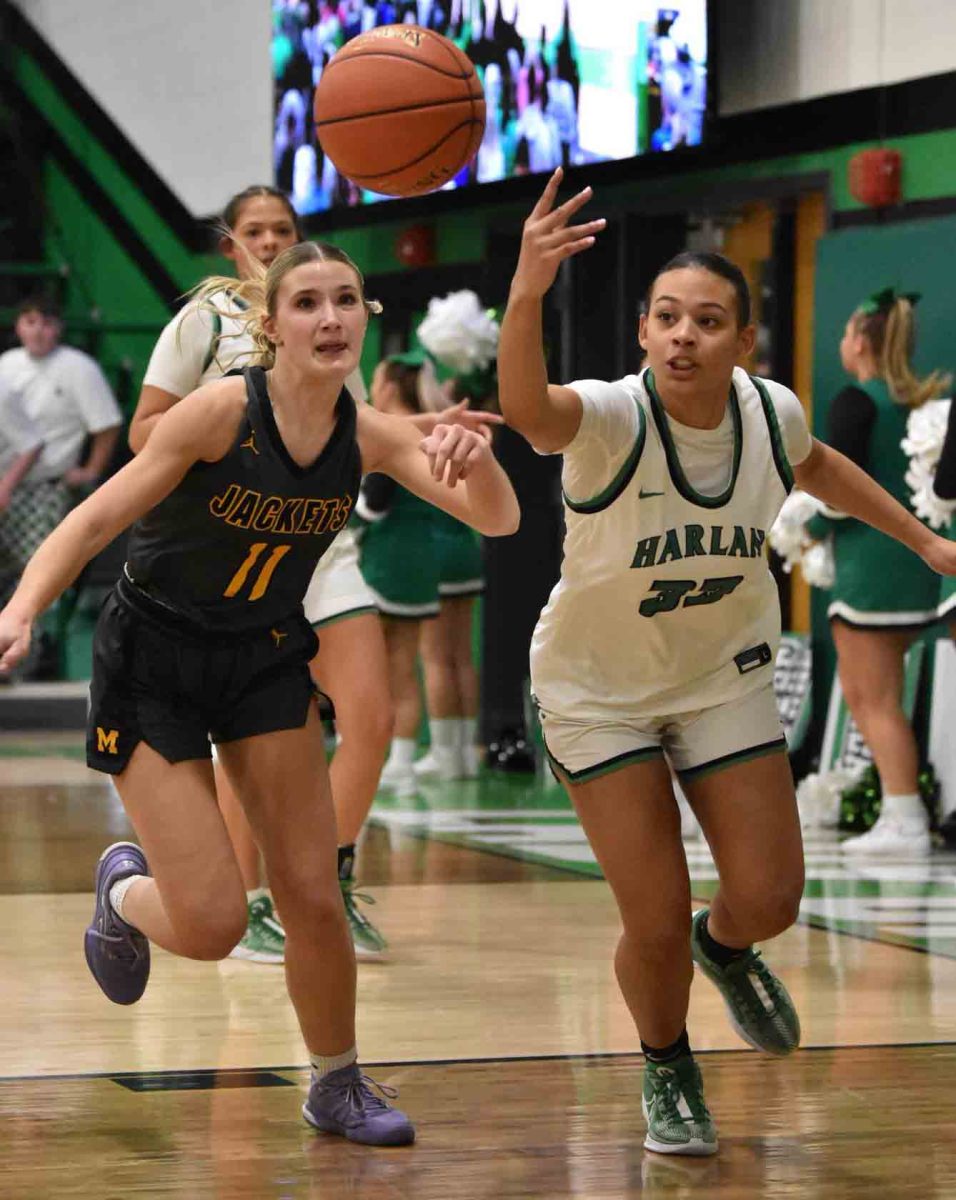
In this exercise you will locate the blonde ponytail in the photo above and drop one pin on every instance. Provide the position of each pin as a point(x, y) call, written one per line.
point(899, 342)
point(888, 324)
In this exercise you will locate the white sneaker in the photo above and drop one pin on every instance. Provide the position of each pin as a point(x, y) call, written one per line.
point(426, 765)
point(890, 838)
point(396, 776)
point(405, 784)
point(441, 762)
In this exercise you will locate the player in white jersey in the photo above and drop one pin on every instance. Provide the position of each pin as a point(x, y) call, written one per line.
point(202, 343)
point(657, 644)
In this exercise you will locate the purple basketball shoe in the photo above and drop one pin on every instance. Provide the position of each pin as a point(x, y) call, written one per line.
point(343, 1102)
point(116, 953)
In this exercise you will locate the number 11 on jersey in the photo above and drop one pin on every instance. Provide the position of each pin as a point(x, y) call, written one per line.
point(264, 575)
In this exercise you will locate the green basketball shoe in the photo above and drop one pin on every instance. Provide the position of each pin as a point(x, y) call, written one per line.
point(369, 943)
point(759, 1006)
point(678, 1120)
point(264, 939)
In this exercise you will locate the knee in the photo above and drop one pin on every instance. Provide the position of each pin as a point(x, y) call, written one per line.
point(213, 933)
point(310, 910)
point(772, 909)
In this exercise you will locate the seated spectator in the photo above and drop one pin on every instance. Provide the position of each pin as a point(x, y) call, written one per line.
point(67, 401)
point(20, 447)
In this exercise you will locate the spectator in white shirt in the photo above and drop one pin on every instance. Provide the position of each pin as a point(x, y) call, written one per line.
point(62, 397)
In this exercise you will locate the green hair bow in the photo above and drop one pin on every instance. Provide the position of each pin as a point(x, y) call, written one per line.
point(409, 358)
point(883, 301)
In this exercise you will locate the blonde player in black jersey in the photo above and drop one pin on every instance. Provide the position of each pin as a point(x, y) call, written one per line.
point(236, 495)
point(658, 641)
point(201, 343)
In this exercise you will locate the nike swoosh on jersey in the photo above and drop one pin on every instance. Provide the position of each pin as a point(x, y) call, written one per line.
point(642, 495)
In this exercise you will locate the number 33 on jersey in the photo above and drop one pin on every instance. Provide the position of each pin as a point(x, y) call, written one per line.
point(666, 603)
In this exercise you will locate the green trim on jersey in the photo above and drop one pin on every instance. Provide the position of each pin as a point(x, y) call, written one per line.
point(617, 763)
point(621, 479)
point(217, 331)
point(679, 479)
point(782, 463)
point(213, 342)
point(731, 760)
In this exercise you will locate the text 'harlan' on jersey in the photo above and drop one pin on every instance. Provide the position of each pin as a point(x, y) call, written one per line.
point(248, 509)
point(695, 541)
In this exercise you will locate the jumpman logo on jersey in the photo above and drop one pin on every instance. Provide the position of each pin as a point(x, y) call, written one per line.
point(277, 637)
point(250, 444)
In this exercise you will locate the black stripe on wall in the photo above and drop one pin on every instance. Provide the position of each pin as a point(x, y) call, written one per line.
point(104, 206)
point(18, 31)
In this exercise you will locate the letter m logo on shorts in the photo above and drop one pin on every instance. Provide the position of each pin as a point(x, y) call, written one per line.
point(106, 740)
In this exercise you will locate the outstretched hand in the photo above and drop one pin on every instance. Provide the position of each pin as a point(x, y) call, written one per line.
point(453, 452)
point(473, 419)
point(548, 239)
point(14, 641)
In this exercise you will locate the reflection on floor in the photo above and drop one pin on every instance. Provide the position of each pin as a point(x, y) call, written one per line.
point(498, 1017)
point(906, 901)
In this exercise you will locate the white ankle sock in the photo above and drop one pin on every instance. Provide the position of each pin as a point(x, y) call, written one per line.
point(256, 894)
point(322, 1064)
point(468, 732)
point(118, 894)
point(906, 809)
point(444, 732)
point(402, 753)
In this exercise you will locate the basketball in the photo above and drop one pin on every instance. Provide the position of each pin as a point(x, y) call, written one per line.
point(400, 110)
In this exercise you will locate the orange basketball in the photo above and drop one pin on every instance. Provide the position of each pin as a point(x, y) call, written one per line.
point(400, 110)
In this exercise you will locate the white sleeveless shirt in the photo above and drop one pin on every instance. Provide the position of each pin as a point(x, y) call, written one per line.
point(666, 603)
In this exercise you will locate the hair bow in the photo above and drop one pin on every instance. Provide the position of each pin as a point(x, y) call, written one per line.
point(883, 301)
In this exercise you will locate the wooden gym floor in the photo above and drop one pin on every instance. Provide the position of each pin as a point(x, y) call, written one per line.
point(497, 1017)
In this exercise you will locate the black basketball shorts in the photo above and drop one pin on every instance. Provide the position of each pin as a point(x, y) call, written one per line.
point(161, 680)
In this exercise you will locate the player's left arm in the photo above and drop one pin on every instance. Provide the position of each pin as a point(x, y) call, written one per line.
point(841, 484)
point(452, 468)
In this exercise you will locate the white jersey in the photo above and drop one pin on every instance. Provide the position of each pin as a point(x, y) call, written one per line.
point(666, 603)
point(204, 341)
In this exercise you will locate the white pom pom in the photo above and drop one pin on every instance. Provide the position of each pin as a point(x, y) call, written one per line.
point(788, 536)
point(459, 332)
point(818, 799)
point(817, 564)
point(788, 541)
point(798, 508)
point(925, 431)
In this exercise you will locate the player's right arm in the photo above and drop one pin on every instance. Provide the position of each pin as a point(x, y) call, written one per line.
point(202, 427)
point(547, 415)
point(175, 369)
point(152, 404)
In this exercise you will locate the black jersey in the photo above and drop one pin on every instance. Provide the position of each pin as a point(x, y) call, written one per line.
point(235, 544)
